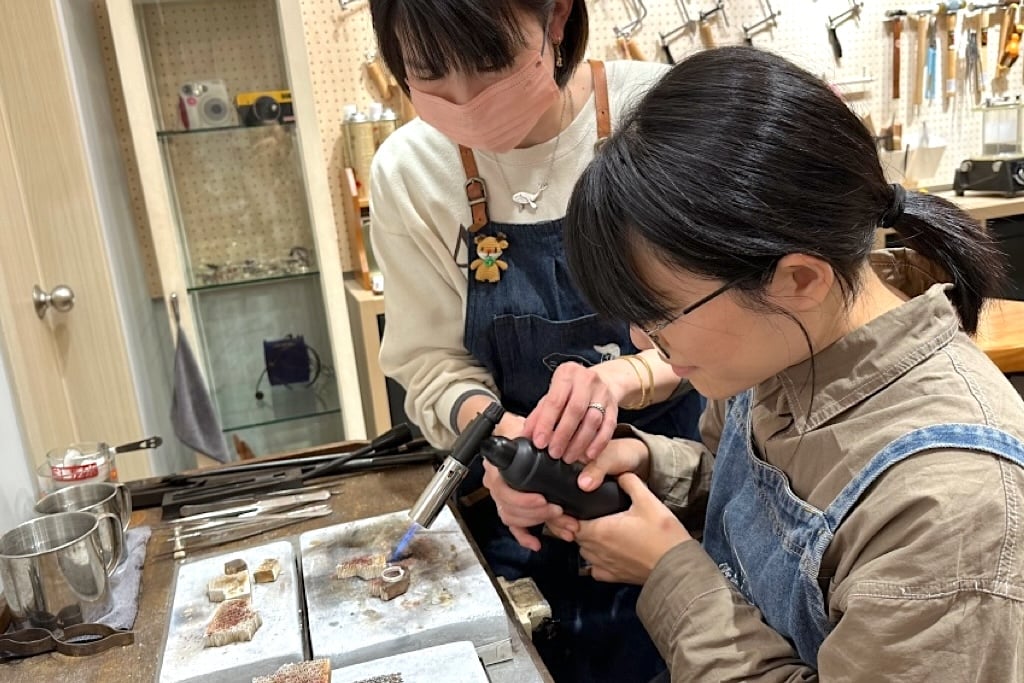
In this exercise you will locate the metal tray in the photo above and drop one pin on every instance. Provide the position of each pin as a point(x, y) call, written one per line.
point(450, 597)
point(278, 641)
point(451, 663)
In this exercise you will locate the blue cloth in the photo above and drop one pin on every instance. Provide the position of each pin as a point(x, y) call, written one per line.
point(770, 543)
point(521, 328)
point(127, 580)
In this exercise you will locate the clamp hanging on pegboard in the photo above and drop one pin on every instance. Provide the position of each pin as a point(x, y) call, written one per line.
point(705, 19)
point(624, 34)
point(671, 34)
point(768, 22)
point(834, 22)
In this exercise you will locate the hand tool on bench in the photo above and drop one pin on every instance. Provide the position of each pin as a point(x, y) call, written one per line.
point(174, 491)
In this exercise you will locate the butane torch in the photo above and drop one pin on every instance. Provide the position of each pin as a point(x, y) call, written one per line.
point(523, 466)
point(527, 468)
point(455, 467)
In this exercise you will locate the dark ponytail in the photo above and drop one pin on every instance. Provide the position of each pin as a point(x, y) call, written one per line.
point(941, 232)
point(736, 158)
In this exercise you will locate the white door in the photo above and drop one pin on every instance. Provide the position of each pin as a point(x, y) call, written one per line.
point(69, 371)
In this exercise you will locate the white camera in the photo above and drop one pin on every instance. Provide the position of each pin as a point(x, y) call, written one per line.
point(205, 104)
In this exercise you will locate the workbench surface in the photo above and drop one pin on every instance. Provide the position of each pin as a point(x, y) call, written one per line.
point(362, 495)
point(1001, 334)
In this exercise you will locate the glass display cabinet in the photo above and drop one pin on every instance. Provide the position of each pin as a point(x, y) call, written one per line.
point(220, 108)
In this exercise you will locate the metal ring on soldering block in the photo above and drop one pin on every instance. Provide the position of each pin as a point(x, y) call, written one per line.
point(392, 574)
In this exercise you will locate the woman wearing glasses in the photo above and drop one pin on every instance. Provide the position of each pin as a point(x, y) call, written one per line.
point(861, 474)
point(467, 203)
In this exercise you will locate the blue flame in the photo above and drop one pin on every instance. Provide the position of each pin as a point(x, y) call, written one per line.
point(404, 543)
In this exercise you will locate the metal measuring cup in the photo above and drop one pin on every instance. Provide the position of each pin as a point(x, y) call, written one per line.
point(53, 571)
point(97, 498)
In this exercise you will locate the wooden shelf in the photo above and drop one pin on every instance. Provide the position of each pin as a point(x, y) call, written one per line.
point(364, 306)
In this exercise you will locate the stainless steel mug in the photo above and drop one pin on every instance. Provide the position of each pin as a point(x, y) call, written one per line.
point(95, 498)
point(53, 571)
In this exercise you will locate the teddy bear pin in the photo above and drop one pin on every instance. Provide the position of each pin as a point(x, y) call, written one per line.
point(488, 264)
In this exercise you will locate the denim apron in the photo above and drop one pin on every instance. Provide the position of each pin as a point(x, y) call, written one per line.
point(521, 328)
point(770, 543)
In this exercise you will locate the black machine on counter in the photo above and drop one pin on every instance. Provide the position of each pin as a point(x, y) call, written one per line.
point(523, 466)
point(1000, 167)
point(1002, 174)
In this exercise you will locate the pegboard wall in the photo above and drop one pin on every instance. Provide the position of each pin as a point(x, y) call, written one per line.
point(246, 205)
point(339, 41)
point(124, 140)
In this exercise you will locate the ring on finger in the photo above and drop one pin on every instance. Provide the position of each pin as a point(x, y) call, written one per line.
point(599, 407)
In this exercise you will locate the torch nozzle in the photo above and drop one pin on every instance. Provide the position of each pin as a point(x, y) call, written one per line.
point(455, 466)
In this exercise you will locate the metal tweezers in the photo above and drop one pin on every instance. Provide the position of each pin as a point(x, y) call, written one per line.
point(79, 640)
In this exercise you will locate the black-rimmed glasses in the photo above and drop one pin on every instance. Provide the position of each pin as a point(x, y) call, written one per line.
point(652, 333)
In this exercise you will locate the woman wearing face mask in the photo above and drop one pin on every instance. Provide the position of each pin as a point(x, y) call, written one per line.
point(862, 459)
point(467, 204)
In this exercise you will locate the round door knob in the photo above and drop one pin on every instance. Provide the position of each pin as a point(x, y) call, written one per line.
point(61, 298)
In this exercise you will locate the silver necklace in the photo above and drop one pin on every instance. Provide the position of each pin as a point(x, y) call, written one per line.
point(525, 199)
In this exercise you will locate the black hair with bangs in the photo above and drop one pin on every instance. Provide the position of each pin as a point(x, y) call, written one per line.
point(438, 37)
point(736, 158)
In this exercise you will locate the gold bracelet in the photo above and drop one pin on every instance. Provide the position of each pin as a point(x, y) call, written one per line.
point(639, 380)
point(644, 397)
point(650, 379)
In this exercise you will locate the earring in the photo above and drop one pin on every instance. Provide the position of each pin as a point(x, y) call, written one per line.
point(557, 44)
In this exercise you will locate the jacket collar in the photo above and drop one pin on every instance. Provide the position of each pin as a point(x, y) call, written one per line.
point(874, 355)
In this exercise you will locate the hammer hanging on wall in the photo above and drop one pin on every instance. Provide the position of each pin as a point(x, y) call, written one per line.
point(923, 17)
point(896, 17)
point(376, 75)
point(983, 20)
point(949, 63)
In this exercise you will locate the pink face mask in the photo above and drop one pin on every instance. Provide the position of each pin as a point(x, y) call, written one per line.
point(498, 118)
